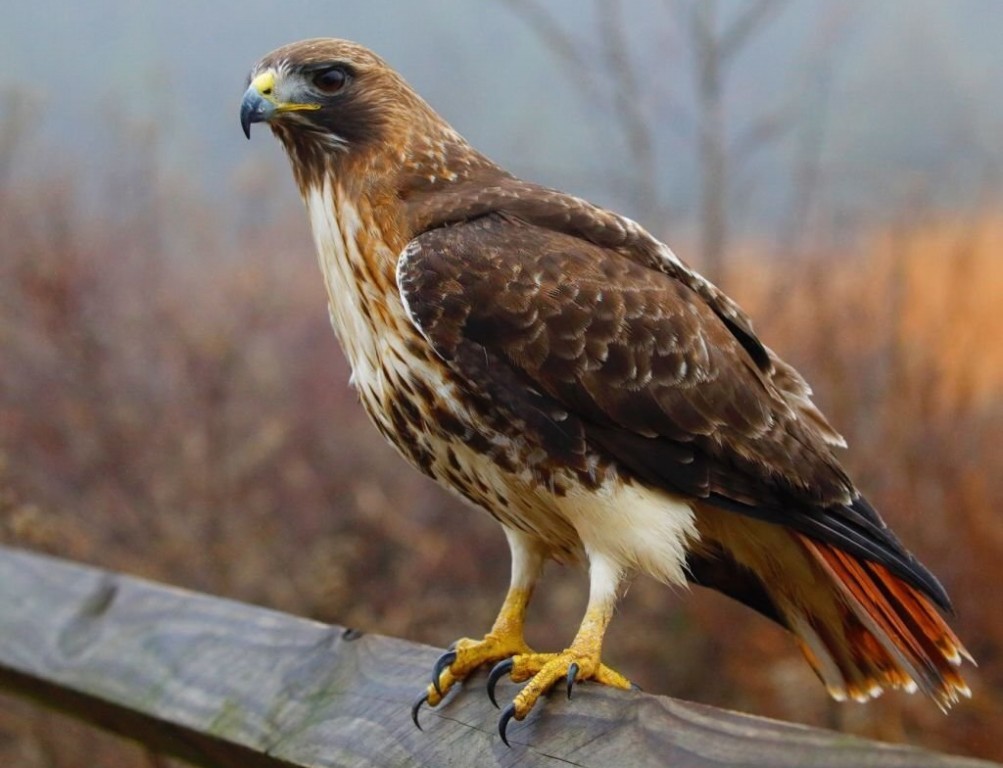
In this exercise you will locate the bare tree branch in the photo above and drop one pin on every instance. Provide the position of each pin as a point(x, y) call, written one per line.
point(628, 102)
point(765, 129)
point(20, 114)
point(813, 97)
point(743, 27)
point(718, 33)
point(558, 41)
point(711, 137)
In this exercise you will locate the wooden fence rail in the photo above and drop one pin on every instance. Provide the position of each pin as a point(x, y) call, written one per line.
point(220, 683)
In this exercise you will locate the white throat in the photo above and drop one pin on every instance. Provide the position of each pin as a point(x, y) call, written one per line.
point(353, 299)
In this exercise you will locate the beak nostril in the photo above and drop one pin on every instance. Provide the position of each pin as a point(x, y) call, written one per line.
point(256, 107)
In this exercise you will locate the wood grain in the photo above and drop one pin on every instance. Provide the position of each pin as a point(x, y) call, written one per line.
point(220, 683)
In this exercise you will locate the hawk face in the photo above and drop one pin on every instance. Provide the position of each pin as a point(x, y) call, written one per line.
point(330, 93)
point(340, 112)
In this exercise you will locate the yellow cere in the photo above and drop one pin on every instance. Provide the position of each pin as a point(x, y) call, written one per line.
point(264, 84)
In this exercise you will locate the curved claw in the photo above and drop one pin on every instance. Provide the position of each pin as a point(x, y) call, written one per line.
point(572, 674)
point(506, 715)
point(440, 665)
point(498, 671)
point(417, 706)
point(635, 687)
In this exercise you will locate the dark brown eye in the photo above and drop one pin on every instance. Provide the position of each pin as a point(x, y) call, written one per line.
point(331, 80)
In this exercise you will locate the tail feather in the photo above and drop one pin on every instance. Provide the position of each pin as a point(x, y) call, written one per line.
point(862, 627)
point(892, 634)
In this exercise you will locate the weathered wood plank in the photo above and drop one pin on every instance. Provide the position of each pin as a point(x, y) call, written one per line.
point(225, 684)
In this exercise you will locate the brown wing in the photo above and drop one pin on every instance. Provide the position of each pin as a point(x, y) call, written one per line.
point(489, 189)
point(647, 369)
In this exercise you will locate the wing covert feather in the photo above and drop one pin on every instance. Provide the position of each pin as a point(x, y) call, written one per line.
point(656, 378)
point(622, 346)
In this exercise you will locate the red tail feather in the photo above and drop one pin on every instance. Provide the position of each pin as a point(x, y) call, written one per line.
point(896, 637)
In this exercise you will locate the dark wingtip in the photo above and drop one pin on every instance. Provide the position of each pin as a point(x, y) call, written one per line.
point(899, 560)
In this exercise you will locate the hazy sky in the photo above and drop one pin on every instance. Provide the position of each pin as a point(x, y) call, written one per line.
point(914, 96)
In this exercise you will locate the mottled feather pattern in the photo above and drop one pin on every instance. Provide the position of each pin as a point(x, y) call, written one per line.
point(658, 380)
point(621, 345)
point(559, 367)
point(485, 437)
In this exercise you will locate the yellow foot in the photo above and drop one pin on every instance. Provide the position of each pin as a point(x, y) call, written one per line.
point(463, 657)
point(544, 671)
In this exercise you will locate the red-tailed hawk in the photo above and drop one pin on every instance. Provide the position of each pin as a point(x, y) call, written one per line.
point(563, 370)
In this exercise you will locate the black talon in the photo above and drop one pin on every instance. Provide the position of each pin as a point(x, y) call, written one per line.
point(572, 674)
point(441, 664)
point(635, 687)
point(498, 671)
point(506, 715)
point(417, 706)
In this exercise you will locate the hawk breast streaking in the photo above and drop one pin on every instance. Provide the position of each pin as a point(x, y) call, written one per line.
point(562, 369)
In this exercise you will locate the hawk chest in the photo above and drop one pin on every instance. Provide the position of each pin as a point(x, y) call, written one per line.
point(411, 395)
point(382, 346)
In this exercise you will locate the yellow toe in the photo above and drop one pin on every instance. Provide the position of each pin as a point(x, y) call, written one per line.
point(543, 671)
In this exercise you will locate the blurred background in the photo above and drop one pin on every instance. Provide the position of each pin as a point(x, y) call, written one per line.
point(173, 403)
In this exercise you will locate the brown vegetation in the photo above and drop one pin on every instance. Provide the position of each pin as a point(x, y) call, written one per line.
point(173, 404)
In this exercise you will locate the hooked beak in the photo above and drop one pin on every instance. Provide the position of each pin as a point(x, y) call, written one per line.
point(254, 108)
point(260, 103)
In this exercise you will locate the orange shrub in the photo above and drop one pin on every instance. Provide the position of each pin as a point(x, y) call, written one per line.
point(173, 404)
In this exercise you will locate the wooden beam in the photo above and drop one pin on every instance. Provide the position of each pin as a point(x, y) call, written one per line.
point(220, 683)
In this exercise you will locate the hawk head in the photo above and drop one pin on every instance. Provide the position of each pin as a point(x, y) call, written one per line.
point(342, 114)
point(332, 102)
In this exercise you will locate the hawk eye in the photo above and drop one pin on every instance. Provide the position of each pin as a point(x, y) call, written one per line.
point(331, 80)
